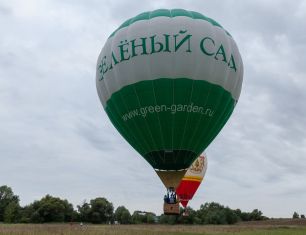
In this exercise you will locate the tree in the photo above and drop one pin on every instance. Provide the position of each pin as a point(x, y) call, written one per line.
point(295, 215)
point(231, 216)
point(84, 212)
point(168, 219)
point(256, 215)
point(211, 213)
point(150, 218)
point(302, 216)
point(26, 213)
point(186, 219)
point(191, 217)
point(48, 209)
point(245, 216)
point(7, 197)
point(122, 215)
point(12, 213)
point(139, 217)
point(101, 210)
point(214, 213)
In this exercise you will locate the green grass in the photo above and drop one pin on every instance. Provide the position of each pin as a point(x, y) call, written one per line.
point(275, 231)
point(66, 229)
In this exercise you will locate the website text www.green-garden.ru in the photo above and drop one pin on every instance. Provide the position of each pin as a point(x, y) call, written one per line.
point(173, 109)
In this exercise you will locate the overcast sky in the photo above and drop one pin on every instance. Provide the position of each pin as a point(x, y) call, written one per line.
point(55, 137)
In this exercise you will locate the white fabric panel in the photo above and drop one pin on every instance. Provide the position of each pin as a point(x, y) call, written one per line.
point(199, 171)
point(194, 65)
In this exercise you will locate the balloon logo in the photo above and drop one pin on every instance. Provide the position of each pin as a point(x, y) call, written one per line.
point(197, 166)
point(169, 81)
point(192, 180)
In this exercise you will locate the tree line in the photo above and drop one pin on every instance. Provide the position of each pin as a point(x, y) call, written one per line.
point(100, 211)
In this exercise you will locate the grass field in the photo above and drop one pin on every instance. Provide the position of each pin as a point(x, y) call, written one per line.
point(274, 227)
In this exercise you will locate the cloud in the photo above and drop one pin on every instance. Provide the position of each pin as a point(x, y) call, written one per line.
point(57, 139)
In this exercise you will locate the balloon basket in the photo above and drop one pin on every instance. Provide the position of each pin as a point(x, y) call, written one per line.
point(185, 214)
point(172, 209)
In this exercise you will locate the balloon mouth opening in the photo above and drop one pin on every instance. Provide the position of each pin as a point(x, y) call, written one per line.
point(180, 170)
point(171, 160)
point(171, 179)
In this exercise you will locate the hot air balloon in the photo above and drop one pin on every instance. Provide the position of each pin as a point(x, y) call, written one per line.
point(192, 180)
point(169, 81)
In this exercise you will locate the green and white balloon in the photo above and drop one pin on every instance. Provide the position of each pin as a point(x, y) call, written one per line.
point(169, 81)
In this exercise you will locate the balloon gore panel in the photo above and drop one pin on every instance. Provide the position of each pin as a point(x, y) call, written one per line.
point(167, 127)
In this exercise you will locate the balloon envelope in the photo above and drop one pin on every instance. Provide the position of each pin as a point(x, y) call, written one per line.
point(192, 180)
point(169, 80)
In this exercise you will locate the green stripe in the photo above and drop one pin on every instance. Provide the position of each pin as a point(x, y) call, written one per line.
point(153, 132)
point(168, 13)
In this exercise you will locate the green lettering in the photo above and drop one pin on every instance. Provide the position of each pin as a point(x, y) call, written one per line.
point(167, 43)
point(163, 108)
point(103, 67)
point(157, 108)
point(203, 47)
point(186, 38)
point(151, 109)
point(221, 52)
point(153, 43)
point(179, 108)
point(232, 63)
point(123, 50)
point(113, 60)
point(141, 45)
point(195, 109)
